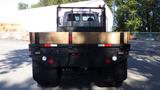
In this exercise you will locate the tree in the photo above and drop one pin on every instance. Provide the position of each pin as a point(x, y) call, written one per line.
point(52, 2)
point(149, 11)
point(22, 6)
point(127, 16)
point(156, 16)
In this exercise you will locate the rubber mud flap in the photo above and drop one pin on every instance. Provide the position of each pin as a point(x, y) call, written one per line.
point(45, 77)
point(121, 71)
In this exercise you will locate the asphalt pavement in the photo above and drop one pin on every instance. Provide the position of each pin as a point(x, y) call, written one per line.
point(143, 68)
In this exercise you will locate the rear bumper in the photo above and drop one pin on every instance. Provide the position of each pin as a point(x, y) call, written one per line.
point(79, 56)
point(120, 46)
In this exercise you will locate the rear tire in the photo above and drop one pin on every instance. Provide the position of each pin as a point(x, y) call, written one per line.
point(104, 83)
point(118, 83)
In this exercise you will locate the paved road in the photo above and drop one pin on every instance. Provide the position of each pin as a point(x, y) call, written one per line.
point(143, 68)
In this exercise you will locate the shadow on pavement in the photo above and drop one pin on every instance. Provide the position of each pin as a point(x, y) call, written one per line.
point(15, 59)
point(27, 85)
point(78, 82)
point(143, 72)
point(144, 67)
point(15, 71)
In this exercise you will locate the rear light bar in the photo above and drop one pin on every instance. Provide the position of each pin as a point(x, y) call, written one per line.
point(56, 45)
point(104, 45)
point(50, 45)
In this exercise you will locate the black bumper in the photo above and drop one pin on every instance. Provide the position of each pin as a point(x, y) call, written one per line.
point(79, 55)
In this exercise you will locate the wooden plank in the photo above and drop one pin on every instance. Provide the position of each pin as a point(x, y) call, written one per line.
point(32, 37)
point(126, 37)
point(54, 37)
point(82, 37)
point(98, 37)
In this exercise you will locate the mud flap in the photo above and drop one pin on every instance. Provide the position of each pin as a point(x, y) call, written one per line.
point(45, 77)
point(112, 77)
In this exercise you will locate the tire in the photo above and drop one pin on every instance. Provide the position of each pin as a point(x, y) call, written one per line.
point(104, 83)
point(45, 77)
point(118, 83)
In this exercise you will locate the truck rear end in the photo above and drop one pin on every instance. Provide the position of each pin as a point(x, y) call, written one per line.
point(77, 48)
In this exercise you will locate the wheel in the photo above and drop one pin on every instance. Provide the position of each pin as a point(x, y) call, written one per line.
point(45, 77)
point(104, 83)
point(117, 83)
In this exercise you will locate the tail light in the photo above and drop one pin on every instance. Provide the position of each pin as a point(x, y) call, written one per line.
point(107, 45)
point(47, 45)
point(107, 61)
point(51, 61)
point(50, 45)
point(104, 45)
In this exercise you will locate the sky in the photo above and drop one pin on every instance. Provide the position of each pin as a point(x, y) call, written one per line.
point(13, 4)
point(32, 19)
point(8, 8)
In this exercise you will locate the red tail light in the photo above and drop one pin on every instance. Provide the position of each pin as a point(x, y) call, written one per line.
point(47, 45)
point(50, 45)
point(107, 61)
point(51, 61)
point(107, 45)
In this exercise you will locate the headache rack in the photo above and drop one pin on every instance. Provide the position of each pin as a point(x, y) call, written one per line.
point(64, 25)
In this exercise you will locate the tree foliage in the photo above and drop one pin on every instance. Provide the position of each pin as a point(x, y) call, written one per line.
point(137, 15)
point(52, 2)
point(22, 6)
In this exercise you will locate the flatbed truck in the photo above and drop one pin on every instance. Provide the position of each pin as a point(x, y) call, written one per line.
point(80, 45)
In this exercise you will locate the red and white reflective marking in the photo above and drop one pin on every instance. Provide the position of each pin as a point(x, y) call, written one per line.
point(104, 45)
point(50, 45)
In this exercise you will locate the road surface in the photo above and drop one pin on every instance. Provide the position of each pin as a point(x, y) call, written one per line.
point(143, 68)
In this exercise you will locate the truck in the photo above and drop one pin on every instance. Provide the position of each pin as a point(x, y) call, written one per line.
point(80, 46)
